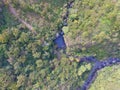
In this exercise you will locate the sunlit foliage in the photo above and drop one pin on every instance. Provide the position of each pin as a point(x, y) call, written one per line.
point(27, 60)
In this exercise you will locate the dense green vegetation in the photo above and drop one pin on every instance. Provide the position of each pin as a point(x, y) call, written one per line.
point(108, 79)
point(27, 61)
point(94, 28)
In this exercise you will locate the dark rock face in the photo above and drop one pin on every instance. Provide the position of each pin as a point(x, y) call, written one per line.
point(2, 21)
point(65, 17)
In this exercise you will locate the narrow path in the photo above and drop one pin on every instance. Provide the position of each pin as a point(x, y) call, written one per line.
point(13, 11)
point(98, 65)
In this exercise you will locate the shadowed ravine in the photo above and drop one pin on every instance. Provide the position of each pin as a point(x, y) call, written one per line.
point(98, 65)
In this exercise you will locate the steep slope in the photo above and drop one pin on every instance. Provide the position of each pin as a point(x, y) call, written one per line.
point(94, 28)
point(27, 61)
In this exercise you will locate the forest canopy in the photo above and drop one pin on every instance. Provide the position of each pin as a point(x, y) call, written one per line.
point(28, 59)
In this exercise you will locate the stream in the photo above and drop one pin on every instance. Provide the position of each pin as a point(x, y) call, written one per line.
point(98, 65)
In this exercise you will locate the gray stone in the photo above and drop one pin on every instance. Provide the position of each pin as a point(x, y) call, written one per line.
point(1, 10)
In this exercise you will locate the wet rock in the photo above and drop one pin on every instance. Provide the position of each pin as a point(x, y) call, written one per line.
point(65, 17)
point(2, 21)
point(65, 24)
point(1, 10)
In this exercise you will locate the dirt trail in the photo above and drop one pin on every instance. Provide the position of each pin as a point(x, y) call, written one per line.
point(14, 13)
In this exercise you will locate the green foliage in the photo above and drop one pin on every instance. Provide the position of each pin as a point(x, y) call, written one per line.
point(84, 68)
point(20, 80)
point(27, 61)
point(65, 29)
point(108, 79)
point(91, 24)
